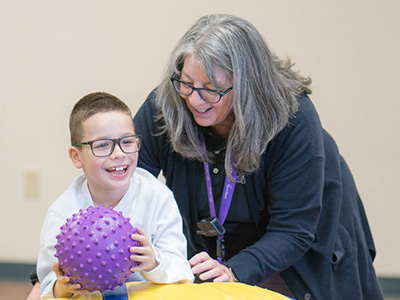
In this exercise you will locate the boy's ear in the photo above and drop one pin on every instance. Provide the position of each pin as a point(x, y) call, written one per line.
point(74, 154)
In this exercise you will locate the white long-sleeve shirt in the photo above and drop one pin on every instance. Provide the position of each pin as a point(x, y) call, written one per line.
point(149, 204)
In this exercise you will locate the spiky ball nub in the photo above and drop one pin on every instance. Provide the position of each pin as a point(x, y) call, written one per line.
point(93, 248)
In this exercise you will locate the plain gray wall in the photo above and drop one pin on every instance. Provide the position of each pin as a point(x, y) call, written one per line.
point(54, 52)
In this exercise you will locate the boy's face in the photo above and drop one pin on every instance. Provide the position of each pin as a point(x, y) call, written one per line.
point(110, 173)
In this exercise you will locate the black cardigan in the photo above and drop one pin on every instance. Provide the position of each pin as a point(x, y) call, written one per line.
point(303, 202)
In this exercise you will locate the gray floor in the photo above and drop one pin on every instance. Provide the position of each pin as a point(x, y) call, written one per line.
point(14, 290)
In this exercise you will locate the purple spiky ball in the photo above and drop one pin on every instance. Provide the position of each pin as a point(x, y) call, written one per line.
point(93, 248)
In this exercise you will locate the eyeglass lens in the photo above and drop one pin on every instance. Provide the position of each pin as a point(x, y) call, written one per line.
point(186, 90)
point(129, 144)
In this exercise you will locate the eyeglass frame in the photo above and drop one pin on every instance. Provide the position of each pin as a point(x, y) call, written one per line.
point(115, 141)
point(220, 93)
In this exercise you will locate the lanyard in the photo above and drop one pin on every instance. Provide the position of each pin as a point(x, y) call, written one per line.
point(227, 194)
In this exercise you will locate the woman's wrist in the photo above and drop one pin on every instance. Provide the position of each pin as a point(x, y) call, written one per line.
point(233, 274)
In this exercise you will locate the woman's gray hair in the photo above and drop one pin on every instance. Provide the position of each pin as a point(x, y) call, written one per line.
point(264, 90)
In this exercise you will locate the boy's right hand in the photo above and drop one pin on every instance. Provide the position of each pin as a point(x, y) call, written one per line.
point(63, 287)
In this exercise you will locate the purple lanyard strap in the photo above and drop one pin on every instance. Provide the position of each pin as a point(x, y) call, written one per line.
point(227, 194)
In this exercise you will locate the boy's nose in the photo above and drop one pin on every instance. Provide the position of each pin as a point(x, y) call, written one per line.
point(117, 152)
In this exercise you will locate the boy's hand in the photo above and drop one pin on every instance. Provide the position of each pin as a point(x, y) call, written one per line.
point(144, 255)
point(63, 287)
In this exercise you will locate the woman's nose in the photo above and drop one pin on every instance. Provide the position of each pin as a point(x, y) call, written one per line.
point(195, 98)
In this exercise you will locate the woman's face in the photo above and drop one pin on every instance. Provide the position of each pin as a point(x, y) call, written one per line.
point(218, 116)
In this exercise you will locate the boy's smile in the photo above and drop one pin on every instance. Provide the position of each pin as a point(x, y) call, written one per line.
point(118, 170)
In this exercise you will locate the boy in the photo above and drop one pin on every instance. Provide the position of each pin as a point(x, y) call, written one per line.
point(105, 146)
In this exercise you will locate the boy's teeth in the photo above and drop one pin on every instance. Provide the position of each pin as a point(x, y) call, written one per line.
point(117, 169)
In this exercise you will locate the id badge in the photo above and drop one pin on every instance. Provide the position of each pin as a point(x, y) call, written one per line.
point(210, 227)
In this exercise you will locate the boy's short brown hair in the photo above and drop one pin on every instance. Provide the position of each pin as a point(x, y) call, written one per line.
point(88, 106)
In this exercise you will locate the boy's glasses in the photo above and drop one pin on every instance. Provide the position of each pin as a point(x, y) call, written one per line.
point(208, 95)
point(104, 147)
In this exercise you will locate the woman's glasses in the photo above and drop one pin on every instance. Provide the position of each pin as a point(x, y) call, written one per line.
point(208, 95)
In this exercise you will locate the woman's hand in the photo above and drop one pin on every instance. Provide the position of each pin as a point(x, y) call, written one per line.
point(207, 268)
point(63, 288)
point(144, 255)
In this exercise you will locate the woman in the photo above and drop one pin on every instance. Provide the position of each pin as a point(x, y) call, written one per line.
point(265, 195)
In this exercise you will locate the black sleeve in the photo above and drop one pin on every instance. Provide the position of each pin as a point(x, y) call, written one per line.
point(294, 188)
point(147, 126)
